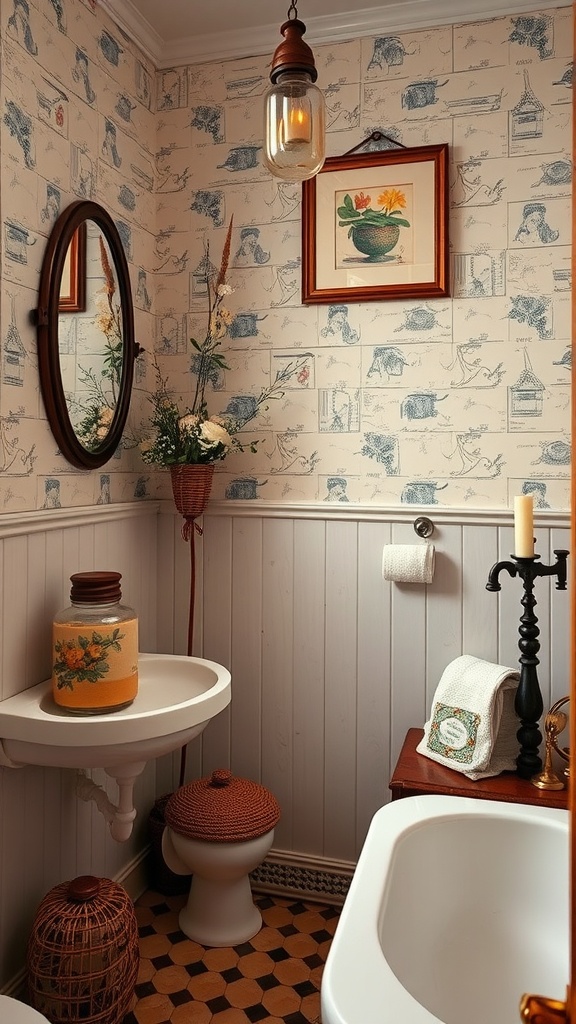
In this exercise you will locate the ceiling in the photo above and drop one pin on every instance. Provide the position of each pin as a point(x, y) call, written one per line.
point(175, 32)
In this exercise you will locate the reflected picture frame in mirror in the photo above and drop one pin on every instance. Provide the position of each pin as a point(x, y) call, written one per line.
point(63, 257)
point(72, 295)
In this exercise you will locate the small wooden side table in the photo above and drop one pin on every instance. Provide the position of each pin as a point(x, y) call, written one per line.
point(416, 774)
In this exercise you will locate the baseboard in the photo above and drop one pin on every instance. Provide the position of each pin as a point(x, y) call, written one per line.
point(283, 872)
point(135, 875)
point(299, 875)
point(16, 987)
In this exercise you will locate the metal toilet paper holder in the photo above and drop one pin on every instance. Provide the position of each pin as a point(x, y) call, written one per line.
point(424, 527)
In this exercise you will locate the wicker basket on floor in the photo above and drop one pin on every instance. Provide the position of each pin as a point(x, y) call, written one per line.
point(82, 956)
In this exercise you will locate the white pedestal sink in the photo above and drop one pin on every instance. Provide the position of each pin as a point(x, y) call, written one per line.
point(177, 697)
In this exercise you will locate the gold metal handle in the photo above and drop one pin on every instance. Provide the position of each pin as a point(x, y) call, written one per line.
point(540, 1010)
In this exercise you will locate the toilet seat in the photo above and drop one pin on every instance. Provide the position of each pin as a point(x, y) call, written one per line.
point(14, 1012)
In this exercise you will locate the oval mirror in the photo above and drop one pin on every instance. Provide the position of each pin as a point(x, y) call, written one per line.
point(85, 326)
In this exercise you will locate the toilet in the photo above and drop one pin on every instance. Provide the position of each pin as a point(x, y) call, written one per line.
point(14, 1012)
point(219, 828)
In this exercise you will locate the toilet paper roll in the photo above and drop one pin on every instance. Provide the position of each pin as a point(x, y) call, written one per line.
point(408, 563)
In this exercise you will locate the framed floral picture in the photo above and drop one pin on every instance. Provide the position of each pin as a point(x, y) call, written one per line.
point(375, 226)
point(73, 281)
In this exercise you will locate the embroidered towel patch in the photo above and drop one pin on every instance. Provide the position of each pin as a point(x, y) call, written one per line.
point(472, 727)
point(453, 733)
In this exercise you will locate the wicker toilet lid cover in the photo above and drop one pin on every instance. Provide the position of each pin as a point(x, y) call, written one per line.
point(222, 809)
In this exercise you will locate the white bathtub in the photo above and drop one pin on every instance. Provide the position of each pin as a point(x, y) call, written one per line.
point(456, 908)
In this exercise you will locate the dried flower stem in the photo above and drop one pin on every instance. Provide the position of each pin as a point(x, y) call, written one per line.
point(211, 343)
point(108, 272)
point(225, 256)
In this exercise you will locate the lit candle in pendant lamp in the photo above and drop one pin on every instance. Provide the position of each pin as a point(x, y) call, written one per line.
point(524, 526)
point(296, 123)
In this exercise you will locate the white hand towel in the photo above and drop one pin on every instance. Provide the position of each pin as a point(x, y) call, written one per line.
point(473, 726)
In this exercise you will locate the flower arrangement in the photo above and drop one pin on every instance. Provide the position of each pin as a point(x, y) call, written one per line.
point(391, 202)
point(190, 436)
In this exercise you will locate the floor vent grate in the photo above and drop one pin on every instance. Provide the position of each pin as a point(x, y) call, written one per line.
point(311, 883)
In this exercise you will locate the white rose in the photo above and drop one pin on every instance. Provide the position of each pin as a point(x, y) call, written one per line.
point(105, 415)
point(213, 433)
point(187, 423)
point(224, 289)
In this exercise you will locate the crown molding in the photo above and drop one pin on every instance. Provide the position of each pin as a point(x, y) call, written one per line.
point(227, 45)
point(125, 15)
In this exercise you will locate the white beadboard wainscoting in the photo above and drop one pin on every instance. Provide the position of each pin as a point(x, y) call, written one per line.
point(330, 664)
point(47, 834)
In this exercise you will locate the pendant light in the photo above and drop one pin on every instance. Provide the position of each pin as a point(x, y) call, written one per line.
point(294, 108)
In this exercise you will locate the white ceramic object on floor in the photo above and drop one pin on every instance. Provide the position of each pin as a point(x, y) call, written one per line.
point(177, 697)
point(14, 1012)
point(458, 906)
point(220, 910)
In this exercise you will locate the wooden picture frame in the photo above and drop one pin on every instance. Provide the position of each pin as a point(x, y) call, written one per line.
point(375, 226)
point(73, 281)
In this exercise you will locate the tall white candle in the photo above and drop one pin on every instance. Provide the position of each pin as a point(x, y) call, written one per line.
point(297, 123)
point(524, 526)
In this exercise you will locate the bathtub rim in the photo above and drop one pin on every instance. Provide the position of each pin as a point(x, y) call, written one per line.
point(359, 920)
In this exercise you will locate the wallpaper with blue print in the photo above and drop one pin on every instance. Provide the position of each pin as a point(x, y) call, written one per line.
point(78, 122)
point(461, 401)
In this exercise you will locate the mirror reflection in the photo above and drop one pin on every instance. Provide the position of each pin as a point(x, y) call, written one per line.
point(90, 342)
point(85, 322)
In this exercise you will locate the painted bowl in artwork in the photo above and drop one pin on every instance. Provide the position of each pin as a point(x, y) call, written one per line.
point(374, 240)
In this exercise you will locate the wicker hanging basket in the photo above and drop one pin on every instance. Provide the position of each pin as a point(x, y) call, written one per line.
point(191, 486)
point(82, 956)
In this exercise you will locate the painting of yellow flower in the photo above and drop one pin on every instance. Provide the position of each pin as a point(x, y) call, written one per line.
point(375, 223)
point(392, 200)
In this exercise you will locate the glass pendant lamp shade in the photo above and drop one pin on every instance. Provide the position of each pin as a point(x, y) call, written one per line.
point(294, 110)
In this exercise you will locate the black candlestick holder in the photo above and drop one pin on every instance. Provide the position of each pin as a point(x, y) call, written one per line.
point(528, 703)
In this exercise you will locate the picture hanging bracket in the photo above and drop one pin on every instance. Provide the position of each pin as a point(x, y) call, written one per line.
point(375, 136)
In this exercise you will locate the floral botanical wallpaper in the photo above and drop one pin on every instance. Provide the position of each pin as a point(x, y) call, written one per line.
point(461, 401)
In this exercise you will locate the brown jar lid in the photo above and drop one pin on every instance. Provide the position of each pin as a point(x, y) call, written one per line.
point(99, 587)
point(222, 809)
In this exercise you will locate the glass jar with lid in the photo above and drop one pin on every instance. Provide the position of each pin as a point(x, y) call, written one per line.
point(95, 647)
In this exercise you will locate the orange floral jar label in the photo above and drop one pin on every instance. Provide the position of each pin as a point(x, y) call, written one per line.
point(95, 668)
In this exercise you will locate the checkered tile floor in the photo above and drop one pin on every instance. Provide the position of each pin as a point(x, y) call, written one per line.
point(273, 979)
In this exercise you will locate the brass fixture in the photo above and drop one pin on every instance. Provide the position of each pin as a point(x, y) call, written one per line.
point(540, 1010)
point(554, 723)
point(563, 752)
point(294, 141)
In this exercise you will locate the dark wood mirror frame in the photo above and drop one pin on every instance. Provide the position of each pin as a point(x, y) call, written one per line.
point(46, 318)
